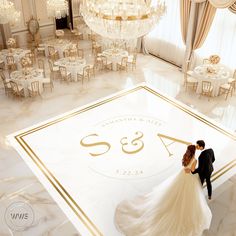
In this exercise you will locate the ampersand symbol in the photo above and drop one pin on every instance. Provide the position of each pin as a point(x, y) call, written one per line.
point(137, 142)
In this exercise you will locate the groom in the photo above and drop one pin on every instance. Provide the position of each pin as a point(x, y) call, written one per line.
point(205, 167)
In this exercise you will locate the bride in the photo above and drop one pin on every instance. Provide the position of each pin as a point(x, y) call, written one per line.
point(177, 207)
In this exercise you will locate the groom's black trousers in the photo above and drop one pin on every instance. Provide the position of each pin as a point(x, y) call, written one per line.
point(208, 182)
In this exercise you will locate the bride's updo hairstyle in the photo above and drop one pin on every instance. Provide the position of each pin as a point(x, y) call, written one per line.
point(188, 155)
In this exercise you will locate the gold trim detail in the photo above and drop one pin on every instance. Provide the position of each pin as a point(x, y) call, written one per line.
point(58, 186)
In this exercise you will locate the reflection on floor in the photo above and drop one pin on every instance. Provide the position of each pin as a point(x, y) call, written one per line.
point(17, 182)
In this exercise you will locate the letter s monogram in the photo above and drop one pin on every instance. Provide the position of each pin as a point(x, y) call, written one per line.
point(84, 144)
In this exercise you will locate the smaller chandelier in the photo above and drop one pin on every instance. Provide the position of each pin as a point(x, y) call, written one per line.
point(8, 13)
point(122, 19)
point(57, 8)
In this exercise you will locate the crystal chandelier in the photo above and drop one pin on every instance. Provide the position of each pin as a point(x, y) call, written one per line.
point(8, 13)
point(122, 19)
point(57, 8)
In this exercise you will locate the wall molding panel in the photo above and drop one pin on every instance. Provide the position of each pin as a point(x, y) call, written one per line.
point(29, 8)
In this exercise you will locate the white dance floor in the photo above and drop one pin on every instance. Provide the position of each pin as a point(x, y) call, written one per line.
point(93, 157)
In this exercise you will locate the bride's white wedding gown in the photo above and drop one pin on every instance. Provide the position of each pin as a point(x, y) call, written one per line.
point(177, 207)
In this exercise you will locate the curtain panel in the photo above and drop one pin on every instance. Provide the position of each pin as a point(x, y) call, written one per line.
point(231, 4)
point(196, 20)
point(185, 7)
point(232, 8)
point(206, 13)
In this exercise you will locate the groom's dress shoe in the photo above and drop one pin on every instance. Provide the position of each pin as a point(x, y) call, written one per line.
point(209, 197)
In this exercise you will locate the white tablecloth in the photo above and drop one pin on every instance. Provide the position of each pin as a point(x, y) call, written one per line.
point(114, 56)
point(17, 53)
point(26, 80)
point(59, 44)
point(217, 78)
point(73, 67)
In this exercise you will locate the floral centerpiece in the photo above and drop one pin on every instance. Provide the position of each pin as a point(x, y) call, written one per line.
point(212, 65)
point(73, 52)
point(214, 59)
point(11, 43)
point(211, 70)
point(26, 63)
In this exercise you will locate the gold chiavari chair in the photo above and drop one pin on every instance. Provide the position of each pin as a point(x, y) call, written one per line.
point(41, 66)
point(11, 65)
point(17, 91)
point(98, 63)
point(132, 61)
point(123, 64)
point(96, 48)
point(65, 76)
point(205, 61)
point(92, 36)
point(47, 83)
point(53, 53)
point(34, 89)
point(54, 56)
point(207, 89)
point(51, 50)
point(105, 63)
point(66, 53)
point(73, 52)
point(6, 84)
point(84, 75)
point(2, 64)
point(226, 89)
point(91, 70)
point(53, 69)
point(189, 81)
point(40, 50)
point(80, 53)
point(233, 80)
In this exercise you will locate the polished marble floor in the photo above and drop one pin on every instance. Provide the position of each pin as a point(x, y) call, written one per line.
point(18, 183)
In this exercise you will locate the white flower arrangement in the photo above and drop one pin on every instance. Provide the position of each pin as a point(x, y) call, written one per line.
point(214, 59)
point(59, 33)
point(11, 42)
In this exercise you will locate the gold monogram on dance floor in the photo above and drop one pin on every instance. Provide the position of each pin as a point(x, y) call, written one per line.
point(91, 158)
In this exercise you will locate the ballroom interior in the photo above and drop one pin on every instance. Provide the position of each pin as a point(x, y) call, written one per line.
point(81, 80)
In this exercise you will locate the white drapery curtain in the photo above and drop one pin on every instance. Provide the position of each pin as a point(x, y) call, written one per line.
point(221, 39)
point(165, 40)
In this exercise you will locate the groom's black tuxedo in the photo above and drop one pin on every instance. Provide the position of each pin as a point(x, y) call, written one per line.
point(205, 167)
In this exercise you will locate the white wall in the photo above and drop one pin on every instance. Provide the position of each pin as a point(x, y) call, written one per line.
point(37, 9)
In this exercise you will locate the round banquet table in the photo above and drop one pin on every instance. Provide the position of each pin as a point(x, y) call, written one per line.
point(219, 76)
point(59, 44)
point(73, 66)
point(114, 56)
point(17, 53)
point(26, 80)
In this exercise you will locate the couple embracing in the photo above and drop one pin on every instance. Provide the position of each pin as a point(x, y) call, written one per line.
point(176, 207)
